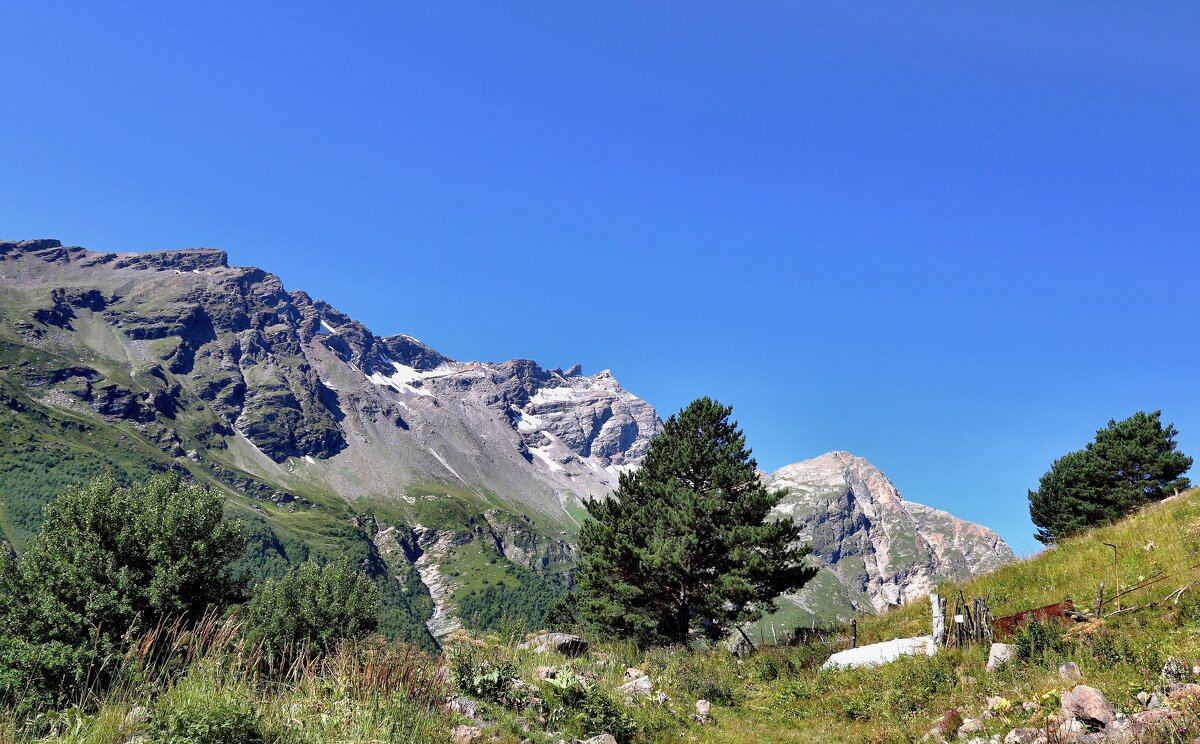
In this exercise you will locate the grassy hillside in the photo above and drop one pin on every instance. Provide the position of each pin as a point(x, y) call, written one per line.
point(776, 695)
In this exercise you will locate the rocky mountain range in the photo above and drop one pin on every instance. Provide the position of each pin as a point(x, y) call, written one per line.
point(458, 484)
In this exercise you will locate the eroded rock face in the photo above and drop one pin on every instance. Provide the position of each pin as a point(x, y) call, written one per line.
point(878, 549)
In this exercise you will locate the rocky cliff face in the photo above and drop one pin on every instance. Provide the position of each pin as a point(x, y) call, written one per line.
point(876, 549)
point(286, 400)
point(457, 479)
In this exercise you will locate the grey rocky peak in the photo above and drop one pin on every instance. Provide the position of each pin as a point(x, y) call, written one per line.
point(876, 548)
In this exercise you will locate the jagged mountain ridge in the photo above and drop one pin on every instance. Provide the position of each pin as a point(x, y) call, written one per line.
point(307, 386)
point(452, 478)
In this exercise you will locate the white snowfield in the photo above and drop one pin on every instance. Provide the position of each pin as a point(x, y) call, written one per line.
point(878, 654)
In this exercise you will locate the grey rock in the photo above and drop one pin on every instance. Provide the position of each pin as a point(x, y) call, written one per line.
point(703, 711)
point(640, 687)
point(1069, 672)
point(563, 643)
point(601, 739)
point(970, 726)
point(137, 716)
point(1000, 654)
point(1087, 705)
point(1024, 736)
point(463, 706)
point(465, 734)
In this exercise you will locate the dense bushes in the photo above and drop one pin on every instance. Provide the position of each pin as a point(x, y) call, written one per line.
point(108, 560)
point(313, 607)
point(114, 562)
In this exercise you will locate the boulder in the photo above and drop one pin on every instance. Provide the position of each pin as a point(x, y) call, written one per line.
point(969, 727)
point(546, 672)
point(463, 706)
point(1069, 672)
point(564, 643)
point(640, 687)
point(1024, 736)
point(1087, 705)
point(703, 712)
point(465, 734)
point(1119, 729)
point(999, 655)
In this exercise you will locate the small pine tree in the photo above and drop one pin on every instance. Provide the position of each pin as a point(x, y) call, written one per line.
point(313, 607)
point(1131, 463)
point(685, 544)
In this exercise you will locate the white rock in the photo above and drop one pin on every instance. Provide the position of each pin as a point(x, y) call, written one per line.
point(999, 655)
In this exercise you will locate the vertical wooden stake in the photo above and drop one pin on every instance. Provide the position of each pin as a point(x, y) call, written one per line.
point(939, 619)
point(853, 632)
point(1099, 600)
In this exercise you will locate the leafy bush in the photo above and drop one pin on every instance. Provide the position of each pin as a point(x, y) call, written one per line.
point(483, 673)
point(108, 560)
point(199, 719)
point(584, 709)
point(313, 607)
point(1040, 642)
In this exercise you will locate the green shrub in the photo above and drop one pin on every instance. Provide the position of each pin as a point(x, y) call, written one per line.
point(313, 607)
point(483, 673)
point(584, 709)
point(1040, 642)
point(108, 560)
point(197, 719)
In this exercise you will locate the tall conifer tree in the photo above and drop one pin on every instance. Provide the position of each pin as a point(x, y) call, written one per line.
point(1130, 463)
point(685, 545)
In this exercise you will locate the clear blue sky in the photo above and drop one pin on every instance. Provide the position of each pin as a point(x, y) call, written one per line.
point(954, 238)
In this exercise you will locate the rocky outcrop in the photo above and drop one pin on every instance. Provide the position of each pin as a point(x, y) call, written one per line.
point(876, 548)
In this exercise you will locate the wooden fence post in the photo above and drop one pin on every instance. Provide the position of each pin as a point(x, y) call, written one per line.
point(937, 608)
point(854, 632)
point(1099, 600)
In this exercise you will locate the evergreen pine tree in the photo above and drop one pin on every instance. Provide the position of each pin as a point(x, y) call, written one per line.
point(1130, 463)
point(685, 544)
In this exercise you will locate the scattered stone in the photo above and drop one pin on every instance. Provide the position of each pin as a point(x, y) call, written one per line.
point(1023, 736)
point(632, 673)
point(546, 672)
point(1119, 729)
point(970, 726)
point(601, 739)
point(1143, 698)
point(463, 706)
point(1088, 705)
point(661, 697)
point(1070, 672)
point(640, 687)
point(1174, 670)
point(999, 655)
point(1156, 701)
point(1071, 729)
point(1029, 706)
point(564, 643)
point(703, 711)
point(136, 716)
point(465, 734)
point(1145, 721)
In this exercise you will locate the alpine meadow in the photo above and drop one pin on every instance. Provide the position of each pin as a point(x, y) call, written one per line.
point(637, 373)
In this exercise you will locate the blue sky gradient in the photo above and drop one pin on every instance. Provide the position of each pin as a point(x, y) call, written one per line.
point(954, 239)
